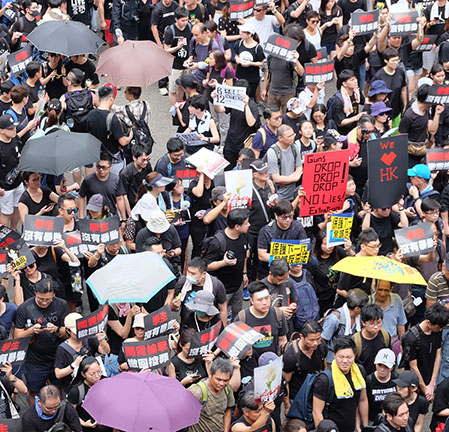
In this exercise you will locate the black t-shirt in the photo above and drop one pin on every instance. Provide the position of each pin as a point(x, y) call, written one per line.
point(329, 34)
point(281, 72)
point(294, 123)
point(43, 349)
point(55, 88)
point(171, 39)
point(348, 7)
point(352, 63)
point(163, 16)
point(283, 294)
point(420, 406)
point(370, 348)
point(360, 173)
point(339, 114)
point(440, 403)
point(24, 26)
point(34, 91)
point(377, 391)
point(4, 106)
point(5, 412)
point(33, 206)
point(115, 341)
point(385, 229)
point(9, 160)
point(96, 125)
point(170, 238)
point(131, 180)
point(184, 369)
point(197, 15)
point(347, 282)
point(202, 203)
point(88, 68)
point(78, 10)
point(395, 82)
point(254, 54)
point(28, 286)
point(32, 422)
point(437, 29)
point(415, 125)
point(257, 217)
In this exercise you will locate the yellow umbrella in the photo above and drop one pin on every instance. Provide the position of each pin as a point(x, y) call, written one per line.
point(380, 267)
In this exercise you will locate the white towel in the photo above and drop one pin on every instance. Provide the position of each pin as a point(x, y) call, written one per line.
point(347, 321)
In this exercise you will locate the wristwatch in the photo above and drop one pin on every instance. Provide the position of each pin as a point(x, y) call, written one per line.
point(13, 379)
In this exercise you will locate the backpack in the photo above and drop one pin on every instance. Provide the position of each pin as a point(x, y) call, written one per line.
point(78, 105)
point(141, 131)
point(330, 102)
point(308, 308)
point(243, 316)
point(358, 341)
point(65, 346)
point(169, 164)
point(223, 71)
point(205, 244)
point(203, 388)
point(405, 359)
point(337, 314)
point(278, 152)
point(59, 425)
point(295, 343)
point(301, 407)
point(248, 143)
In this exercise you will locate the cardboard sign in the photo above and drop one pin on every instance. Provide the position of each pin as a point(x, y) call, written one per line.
point(230, 97)
point(437, 159)
point(438, 94)
point(281, 47)
point(294, 251)
point(152, 353)
point(14, 350)
point(240, 9)
point(427, 43)
point(18, 60)
point(19, 255)
point(339, 228)
point(203, 342)
point(93, 323)
point(267, 381)
point(73, 242)
point(324, 180)
point(237, 338)
point(104, 231)
point(210, 162)
point(387, 170)
point(415, 240)
point(364, 22)
point(42, 230)
point(403, 23)
point(11, 425)
point(190, 139)
point(319, 72)
point(240, 184)
point(7, 236)
point(159, 323)
point(186, 175)
point(3, 263)
point(321, 54)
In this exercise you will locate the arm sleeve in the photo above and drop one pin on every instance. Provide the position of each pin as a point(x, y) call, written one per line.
point(116, 129)
point(337, 110)
point(168, 36)
point(257, 141)
point(329, 326)
point(273, 167)
point(405, 123)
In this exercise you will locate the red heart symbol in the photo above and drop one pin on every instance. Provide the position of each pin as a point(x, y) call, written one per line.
point(388, 159)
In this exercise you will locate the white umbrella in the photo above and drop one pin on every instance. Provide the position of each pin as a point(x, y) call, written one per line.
point(133, 278)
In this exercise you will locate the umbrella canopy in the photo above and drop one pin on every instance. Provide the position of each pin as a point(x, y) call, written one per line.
point(65, 37)
point(59, 152)
point(136, 402)
point(380, 267)
point(135, 63)
point(130, 278)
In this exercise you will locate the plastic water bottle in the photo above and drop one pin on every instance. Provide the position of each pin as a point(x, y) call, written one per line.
point(28, 324)
point(40, 92)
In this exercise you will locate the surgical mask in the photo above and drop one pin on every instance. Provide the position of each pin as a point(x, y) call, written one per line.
point(200, 314)
point(35, 13)
point(192, 280)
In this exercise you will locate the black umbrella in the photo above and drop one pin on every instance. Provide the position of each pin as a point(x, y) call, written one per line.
point(59, 152)
point(65, 37)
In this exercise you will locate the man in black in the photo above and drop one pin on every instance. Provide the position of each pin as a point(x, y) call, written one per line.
point(87, 66)
point(34, 72)
point(397, 416)
point(24, 25)
point(173, 160)
point(78, 10)
point(349, 6)
point(125, 20)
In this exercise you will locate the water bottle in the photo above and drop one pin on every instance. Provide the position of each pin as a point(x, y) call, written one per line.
point(40, 92)
point(28, 324)
point(76, 277)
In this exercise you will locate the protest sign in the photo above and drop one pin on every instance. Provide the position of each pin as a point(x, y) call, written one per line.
point(104, 231)
point(321, 54)
point(20, 255)
point(339, 228)
point(190, 139)
point(364, 22)
point(14, 350)
point(187, 175)
point(7, 236)
point(240, 9)
point(151, 353)
point(280, 46)
point(427, 42)
point(73, 242)
point(240, 184)
point(437, 159)
point(267, 381)
point(42, 230)
point(319, 72)
point(415, 240)
point(403, 23)
point(230, 97)
point(18, 60)
point(203, 342)
point(3, 263)
point(11, 425)
point(237, 338)
point(438, 94)
point(159, 323)
point(324, 180)
point(387, 170)
point(210, 162)
point(294, 251)
point(92, 324)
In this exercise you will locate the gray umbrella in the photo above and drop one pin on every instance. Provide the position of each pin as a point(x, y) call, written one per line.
point(59, 152)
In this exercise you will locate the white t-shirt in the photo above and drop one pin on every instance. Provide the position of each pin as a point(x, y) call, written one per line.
point(305, 96)
point(264, 27)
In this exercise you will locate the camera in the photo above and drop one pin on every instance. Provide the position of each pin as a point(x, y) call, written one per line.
point(85, 350)
point(230, 255)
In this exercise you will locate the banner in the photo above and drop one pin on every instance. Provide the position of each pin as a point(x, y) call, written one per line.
point(415, 240)
point(203, 342)
point(230, 97)
point(237, 338)
point(73, 242)
point(210, 162)
point(3, 263)
point(438, 94)
point(387, 170)
point(19, 255)
point(92, 324)
point(267, 381)
point(11, 425)
point(437, 159)
point(18, 60)
point(319, 72)
point(7, 236)
point(14, 351)
point(364, 22)
point(427, 43)
point(403, 23)
point(339, 228)
point(104, 231)
point(190, 139)
point(240, 9)
point(294, 251)
point(159, 323)
point(321, 54)
point(240, 184)
point(281, 47)
point(324, 180)
point(186, 175)
point(152, 353)
point(42, 230)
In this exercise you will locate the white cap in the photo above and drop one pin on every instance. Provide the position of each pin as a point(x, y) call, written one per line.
point(247, 27)
point(386, 357)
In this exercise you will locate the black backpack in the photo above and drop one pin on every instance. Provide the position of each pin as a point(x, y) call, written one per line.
point(59, 425)
point(220, 236)
point(330, 104)
point(78, 105)
point(141, 131)
point(406, 345)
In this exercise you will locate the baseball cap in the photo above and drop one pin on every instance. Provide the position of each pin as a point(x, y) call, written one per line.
point(139, 320)
point(386, 357)
point(259, 166)
point(217, 193)
point(247, 27)
point(186, 81)
point(295, 106)
point(7, 122)
point(70, 321)
point(419, 170)
point(406, 379)
point(95, 203)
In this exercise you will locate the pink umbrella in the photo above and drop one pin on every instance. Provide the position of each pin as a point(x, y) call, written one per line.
point(137, 402)
point(135, 64)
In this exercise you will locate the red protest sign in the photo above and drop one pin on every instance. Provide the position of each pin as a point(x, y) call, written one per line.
point(93, 323)
point(14, 350)
point(438, 159)
point(42, 230)
point(159, 323)
point(203, 342)
point(152, 353)
point(324, 180)
point(237, 338)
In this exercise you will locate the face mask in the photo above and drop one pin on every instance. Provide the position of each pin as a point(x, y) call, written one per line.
point(200, 314)
point(192, 280)
point(35, 13)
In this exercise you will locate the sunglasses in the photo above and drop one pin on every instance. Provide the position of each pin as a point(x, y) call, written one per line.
point(257, 10)
point(73, 210)
point(103, 167)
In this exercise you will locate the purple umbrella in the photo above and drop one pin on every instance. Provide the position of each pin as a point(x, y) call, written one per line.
point(137, 402)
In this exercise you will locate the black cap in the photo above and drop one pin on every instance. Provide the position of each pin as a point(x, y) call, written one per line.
point(186, 81)
point(7, 122)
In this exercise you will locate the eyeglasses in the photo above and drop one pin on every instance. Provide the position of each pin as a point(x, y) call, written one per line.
point(286, 217)
point(51, 409)
point(73, 210)
point(44, 300)
point(103, 167)
point(94, 374)
point(277, 118)
point(374, 246)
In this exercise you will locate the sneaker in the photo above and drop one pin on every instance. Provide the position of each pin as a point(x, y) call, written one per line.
point(246, 294)
point(163, 91)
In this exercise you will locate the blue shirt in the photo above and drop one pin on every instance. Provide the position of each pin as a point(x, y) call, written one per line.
point(263, 145)
point(7, 318)
point(394, 314)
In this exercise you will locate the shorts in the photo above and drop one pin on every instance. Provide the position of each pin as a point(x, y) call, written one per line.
point(108, 36)
point(37, 375)
point(411, 73)
point(11, 200)
point(175, 74)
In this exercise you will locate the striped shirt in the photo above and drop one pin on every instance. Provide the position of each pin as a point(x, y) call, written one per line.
point(437, 287)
